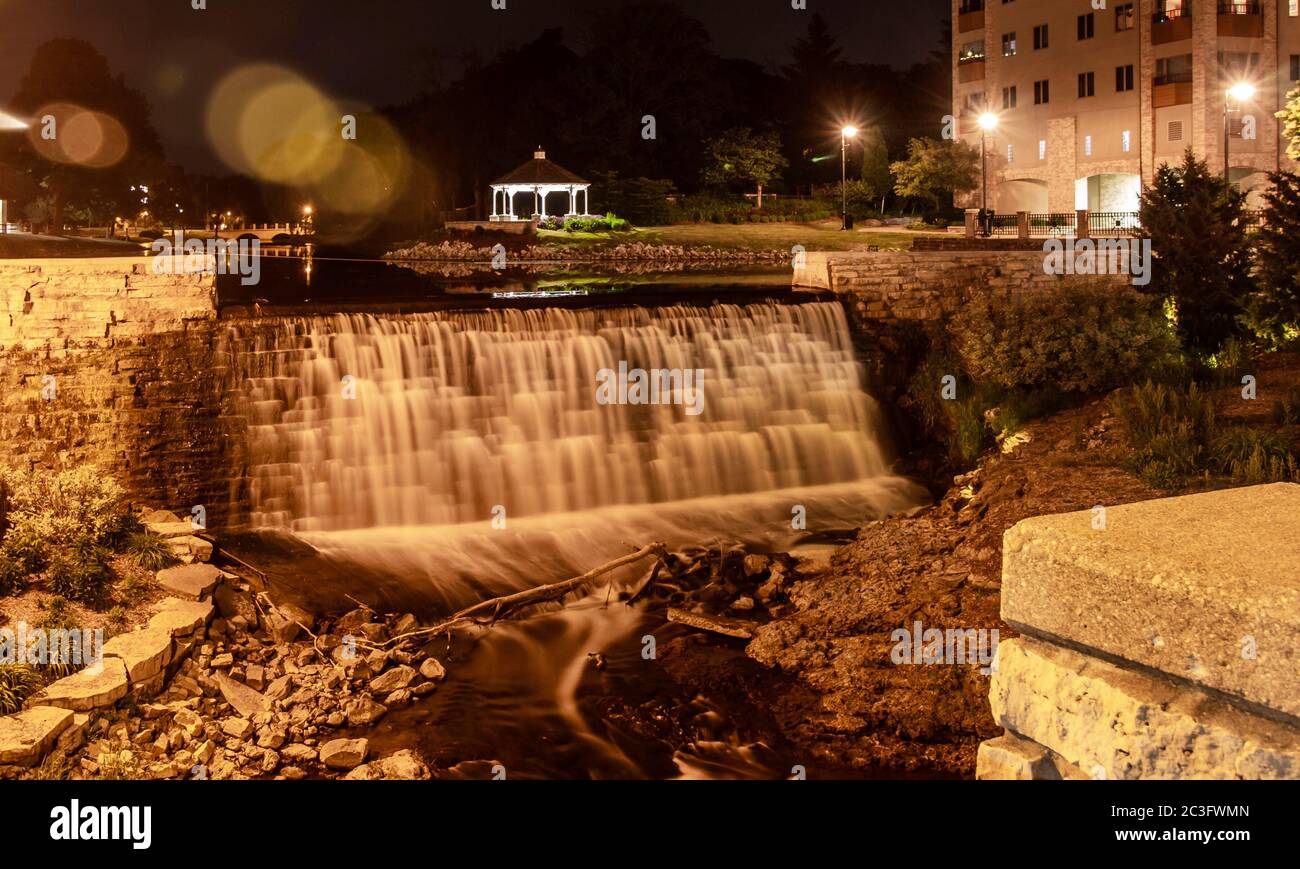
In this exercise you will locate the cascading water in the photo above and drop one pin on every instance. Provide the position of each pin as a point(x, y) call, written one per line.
point(457, 455)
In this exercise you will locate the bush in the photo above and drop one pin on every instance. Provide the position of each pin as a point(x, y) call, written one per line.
point(80, 572)
point(17, 683)
point(1253, 456)
point(1286, 410)
point(645, 201)
point(1084, 338)
point(1170, 430)
point(150, 552)
point(13, 576)
point(64, 506)
point(970, 432)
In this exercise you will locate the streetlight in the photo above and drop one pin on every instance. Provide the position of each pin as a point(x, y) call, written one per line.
point(846, 133)
point(988, 122)
point(1240, 93)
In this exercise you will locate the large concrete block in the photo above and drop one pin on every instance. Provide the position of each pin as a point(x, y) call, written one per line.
point(1204, 587)
point(1116, 723)
point(26, 736)
point(91, 688)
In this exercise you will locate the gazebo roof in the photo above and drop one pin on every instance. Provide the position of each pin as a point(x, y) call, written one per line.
point(539, 170)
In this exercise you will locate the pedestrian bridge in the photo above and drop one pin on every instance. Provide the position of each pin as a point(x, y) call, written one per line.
point(267, 233)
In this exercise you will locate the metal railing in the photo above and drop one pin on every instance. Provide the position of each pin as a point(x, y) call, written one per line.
point(1113, 223)
point(1052, 225)
point(968, 6)
point(1173, 78)
point(1163, 16)
point(1239, 7)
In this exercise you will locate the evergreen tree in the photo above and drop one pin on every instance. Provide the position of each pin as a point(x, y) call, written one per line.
point(1277, 258)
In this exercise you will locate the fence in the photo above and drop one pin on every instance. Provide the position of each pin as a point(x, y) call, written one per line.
point(1065, 224)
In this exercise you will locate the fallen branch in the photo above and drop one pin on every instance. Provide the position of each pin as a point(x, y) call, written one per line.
point(499, 607)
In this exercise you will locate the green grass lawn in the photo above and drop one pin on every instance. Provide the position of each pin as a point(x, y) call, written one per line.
point(16, 246)
point(822, 235)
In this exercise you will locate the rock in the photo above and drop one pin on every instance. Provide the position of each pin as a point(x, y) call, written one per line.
point(362, 773)
point(1166, 585)
point(405, 765)
point(431, 668)
point(205, 752)
point(400, 697)
point(189, 721)
point(297, 753)
point(279, 688)
point(351, 622)
point(26, 736)
point(144, 652)
point(156, 517)
point(364, 711)
point(240, 728)
point(293, 773)
point(712, 624)
point(271, 737)
point(223, 661)
point(255, 677)
point(189, 581)
point(91, 688)
point(1119, 723)
point(180, 617)
point(755, 565)
point(179, 528)
point(197, 549)
point(285, 621)
point(344, 753)
point(232, 602)
point(398, 677)
point(744, 603)
point(405, 624)
point(246, 701)
point(424, 689)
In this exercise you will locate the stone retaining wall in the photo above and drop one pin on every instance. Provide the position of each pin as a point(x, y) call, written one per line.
point(104, 362)
point(1159, 640)
point(898, 287)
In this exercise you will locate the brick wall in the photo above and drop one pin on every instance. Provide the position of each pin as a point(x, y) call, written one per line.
point(133, 391)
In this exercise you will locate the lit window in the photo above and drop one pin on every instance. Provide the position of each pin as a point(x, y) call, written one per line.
point(1011, 153)
point(1087, 146)
point(1128, 141)
point(1042, 149)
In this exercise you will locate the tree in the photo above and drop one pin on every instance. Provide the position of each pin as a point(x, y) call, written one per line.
point(65, 77)
point(741, 156)
point(876, 174)
point(1290, 117)
point(1277, 258)
point(934, 170)
point(1201, 260)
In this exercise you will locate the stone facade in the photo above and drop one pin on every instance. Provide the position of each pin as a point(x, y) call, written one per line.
point(103, 362)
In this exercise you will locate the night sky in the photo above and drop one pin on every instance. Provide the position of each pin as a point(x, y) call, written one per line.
point(378, 51)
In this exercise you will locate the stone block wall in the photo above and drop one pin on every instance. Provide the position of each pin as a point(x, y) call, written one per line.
point(103, 362)
point(923, 286)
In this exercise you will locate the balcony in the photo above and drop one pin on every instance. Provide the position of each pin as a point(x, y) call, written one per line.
point(1172, 25)
point(970, 69)
point(1174, 89)
point(1243, 18)
point(970, 16)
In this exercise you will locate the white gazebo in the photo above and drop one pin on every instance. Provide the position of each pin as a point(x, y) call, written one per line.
point(539, 178)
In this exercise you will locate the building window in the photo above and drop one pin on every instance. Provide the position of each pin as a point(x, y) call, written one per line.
point(1293, 8)
point(1042, 149)
point(1235, 65)
point(1174, 70)
point(1295, 64)
point(1041, 93)
point(1087, 146)
point(1040, 35)
point(1011, 153)
point(1087, 24)
point(1127, 141)
point(1009, 45)
point(1124, 78)
point(971, 52)
point(1009, 97)
point(1087, 85)
point(1175, 131)
point(974, 103)
point(1125, 18)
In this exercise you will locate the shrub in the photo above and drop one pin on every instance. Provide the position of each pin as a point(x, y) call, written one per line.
point(1170, 430)
point(645, 201)
point(1275, 311)
point(1084, 338)
point(1253, 456)
point(61, 507)
point(150, 552)
point(1286, 410)
point(13, 576)
point(80, 572)
point(970, 432)
point(17, 683)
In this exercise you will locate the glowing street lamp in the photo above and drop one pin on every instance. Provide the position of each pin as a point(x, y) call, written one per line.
point(1240, 93)
point(846, 133)
point(9, 122)
point(988, 122)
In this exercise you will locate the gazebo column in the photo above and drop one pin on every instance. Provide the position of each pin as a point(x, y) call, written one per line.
point(573, 201)
point(494, 203)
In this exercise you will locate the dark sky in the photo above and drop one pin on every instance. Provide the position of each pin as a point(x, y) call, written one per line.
point(371, 50)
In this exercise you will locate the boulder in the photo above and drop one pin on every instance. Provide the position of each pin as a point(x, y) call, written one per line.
point(145, 652)
point(246, 701)
point(26, 736)
point(297, 753)
point(344, 754)
point(364, 711)
point(189, 581)
point(405, 764)
point(92, 688)
point(432, 669)
point(181, 617)
point(396, 678)
point(179, 528)
point(233, 602)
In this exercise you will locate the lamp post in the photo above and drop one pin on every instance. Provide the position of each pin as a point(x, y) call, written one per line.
point(988, 123)
point(846, 133)
point(1240, 93)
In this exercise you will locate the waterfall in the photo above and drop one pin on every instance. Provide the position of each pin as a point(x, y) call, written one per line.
point(363, 422)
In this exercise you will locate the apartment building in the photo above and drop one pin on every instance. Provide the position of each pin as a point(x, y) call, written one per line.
point(1091, 96)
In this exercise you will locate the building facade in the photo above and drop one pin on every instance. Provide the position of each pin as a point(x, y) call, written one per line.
point(1091, 96)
